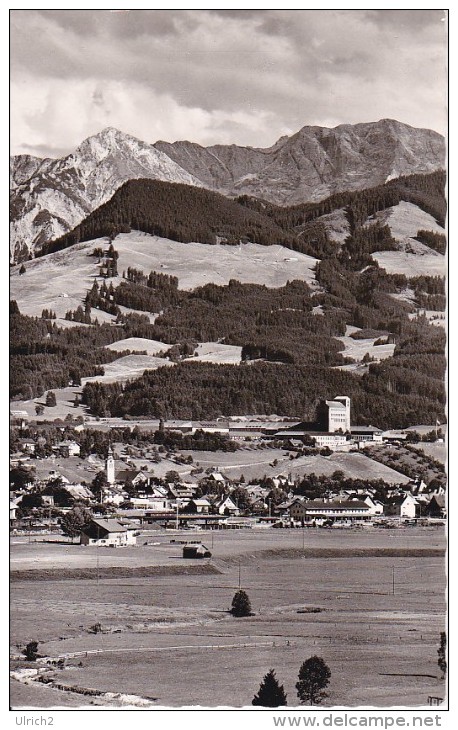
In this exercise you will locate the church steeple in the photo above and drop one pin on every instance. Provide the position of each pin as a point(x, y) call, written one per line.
point(110, 466)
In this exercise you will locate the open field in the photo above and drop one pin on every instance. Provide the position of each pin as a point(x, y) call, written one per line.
point(358, 348)
point(217, 353)
point(414, 258)
point(434, 450)
point(409, 264)
point(405, 220)
point(196, 264)
point(168, 626)
point(438, 319)
point(64, 405)
point(59, 281)
point(127, 368)
point(256, 464)
point(253, 463)
point(139, 344)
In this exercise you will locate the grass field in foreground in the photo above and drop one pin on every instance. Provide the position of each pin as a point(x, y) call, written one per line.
point(176, 642)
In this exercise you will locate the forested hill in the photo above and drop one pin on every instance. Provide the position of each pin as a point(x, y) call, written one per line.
point(178, 212)
point(425, 191)
point(185, 213)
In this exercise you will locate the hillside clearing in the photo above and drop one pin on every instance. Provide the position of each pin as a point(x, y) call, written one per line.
point(257, 464)
point(414, 258)
point(216, 352)
point(336, 224)
point(405, 220)
point(409, 264)
point(358, 348)
point(127, 368)
point(197, 264)
point(138, 345)
point(59, 281)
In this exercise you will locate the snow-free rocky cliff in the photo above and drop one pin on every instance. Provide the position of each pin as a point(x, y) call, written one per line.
point(50, 197)
point(315, 162)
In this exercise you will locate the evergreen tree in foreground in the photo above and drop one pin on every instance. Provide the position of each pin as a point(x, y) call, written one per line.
point(241, 605)
point(270, 693)
point(314, 676)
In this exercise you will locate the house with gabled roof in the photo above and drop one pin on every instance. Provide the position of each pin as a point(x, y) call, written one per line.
point(180, 491)
point(136, 477)
point(67, 448)
point(27, 446)
point(401, 505)
point(198, 506)
point(106, 533)
point(216, 476)
point(226, 506)
point(437, 506)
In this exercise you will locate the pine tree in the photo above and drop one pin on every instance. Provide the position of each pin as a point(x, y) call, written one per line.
point(270, 693)
point(241, 605)
point(314, 676)
point(50, 399)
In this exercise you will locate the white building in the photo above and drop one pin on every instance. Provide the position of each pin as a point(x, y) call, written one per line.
point(107, 533)
point(339, 414)
point(68, 448)
point(329, 439)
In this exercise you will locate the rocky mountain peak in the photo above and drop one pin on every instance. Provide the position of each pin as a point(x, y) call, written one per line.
point(49, 197)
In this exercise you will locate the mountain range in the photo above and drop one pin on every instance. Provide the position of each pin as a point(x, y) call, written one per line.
point(49, 197)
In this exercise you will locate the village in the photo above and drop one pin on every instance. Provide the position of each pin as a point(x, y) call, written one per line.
point(106, 498)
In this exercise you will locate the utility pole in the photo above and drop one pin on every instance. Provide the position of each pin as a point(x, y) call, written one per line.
point(97, 557)
point(392, 569)
point(240, 582)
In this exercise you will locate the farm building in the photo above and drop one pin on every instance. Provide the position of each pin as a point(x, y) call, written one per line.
point(221, 427)
point(106, 533)
point(196, 550)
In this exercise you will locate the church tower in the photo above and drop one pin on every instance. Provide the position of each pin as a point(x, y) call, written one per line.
point(110, 466)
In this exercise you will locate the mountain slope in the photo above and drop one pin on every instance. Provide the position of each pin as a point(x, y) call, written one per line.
point(179, 212)
point(50, 197)
point(315, 162)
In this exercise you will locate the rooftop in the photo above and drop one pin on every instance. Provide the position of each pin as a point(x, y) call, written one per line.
point(108, 525)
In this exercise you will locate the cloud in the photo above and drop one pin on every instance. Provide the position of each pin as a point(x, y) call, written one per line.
point(244, 75)
point(67, 115)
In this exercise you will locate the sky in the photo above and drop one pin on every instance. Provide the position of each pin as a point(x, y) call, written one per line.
point(242, 77)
